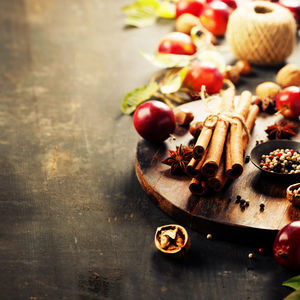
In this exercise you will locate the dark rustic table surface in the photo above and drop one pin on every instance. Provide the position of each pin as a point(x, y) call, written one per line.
point(74, 221)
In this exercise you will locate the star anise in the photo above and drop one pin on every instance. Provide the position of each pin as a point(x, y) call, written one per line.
point(267, 104)
point(179, 159)
point(282, 130)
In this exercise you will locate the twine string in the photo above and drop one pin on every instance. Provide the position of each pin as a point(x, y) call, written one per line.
point(212, 119)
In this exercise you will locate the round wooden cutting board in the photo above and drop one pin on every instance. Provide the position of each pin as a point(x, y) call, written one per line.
point(217, 213)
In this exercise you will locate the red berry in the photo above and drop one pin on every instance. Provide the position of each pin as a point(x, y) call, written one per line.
point(204, 73)
point(286, 246)
point(193, 7)
point(177, 43)
point(154, 121)
point(215, 17)
point(288, 102)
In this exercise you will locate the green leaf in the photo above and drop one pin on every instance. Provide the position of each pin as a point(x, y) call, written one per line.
point(293, 282)
point(167, 10)
point(137, 96)
point(163, 60)
point(174, 83)
point(293, 296)
point(141, 13)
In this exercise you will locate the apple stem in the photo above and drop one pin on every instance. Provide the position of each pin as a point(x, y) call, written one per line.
point(284, 108)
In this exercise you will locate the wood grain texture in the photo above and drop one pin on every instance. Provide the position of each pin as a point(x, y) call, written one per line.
point(173, 196)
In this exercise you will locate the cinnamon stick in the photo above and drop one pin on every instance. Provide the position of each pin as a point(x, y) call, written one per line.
point(194, 166)
point(217, 182)
point(198, 187)
point(250, 121)
point(190, 168)
point(213, 157)
point(235, 168)
point(202, 142)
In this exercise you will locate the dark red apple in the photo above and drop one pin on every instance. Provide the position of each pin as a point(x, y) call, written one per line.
point(154, 121)
point(286, 246)
point(204, 73)
point(231, 3)
point(294, 7)
point(193, 7)
point(177, 43)
point(288, 102)
point(215, 16)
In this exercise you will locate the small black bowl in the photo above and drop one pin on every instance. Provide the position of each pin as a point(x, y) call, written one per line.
point(267, 147)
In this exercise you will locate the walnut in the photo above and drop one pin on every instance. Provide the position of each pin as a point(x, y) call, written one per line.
point(172, 240)
point(289, 75)
point(293, 194)
point(267, 89)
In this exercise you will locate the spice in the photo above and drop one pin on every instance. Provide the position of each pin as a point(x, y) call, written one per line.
point(250, 255)
point(243, 201)
point(262, 206)
point(267, 104)
point(209, 236)
point(284, 161)
point(247, 159)
point(179, 159)
point(282, 130)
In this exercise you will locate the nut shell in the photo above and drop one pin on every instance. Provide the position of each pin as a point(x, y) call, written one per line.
point(291, 196)
point(289, 75)
point(268, 89)
point(174, 252)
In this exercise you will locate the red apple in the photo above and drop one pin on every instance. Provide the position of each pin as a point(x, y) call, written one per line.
point(294, 7)
point(154, 121)
point(231, 3)
point(204, 73)
point(215, 16)
point(193, 7)
point(288, 102)
point(286, 248)
point(177, 43)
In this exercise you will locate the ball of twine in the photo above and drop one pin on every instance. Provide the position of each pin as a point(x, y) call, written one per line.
point(262, 33)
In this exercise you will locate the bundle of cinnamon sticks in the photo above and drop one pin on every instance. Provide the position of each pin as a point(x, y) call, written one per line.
point(218, 154)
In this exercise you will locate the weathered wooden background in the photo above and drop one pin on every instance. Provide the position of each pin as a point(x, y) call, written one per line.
point(74, 221)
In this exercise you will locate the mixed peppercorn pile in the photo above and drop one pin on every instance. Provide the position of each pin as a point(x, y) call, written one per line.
point(281, 161)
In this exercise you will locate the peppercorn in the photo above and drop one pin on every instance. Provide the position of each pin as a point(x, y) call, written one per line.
point(247, 159)
point(262, 206)
point(281, 161)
